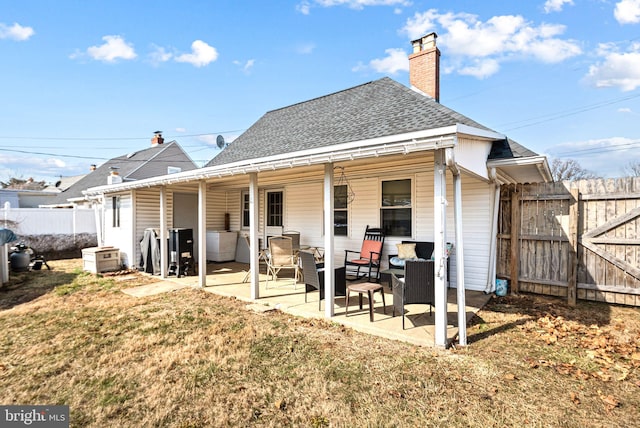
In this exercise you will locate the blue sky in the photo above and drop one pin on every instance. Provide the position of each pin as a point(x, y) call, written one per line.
point(84, 81)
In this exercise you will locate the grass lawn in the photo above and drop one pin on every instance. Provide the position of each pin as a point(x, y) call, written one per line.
point(193, 359)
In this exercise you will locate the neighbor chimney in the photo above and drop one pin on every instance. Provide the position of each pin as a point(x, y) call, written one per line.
point(114, 176)
point(157, 138)
point(424, 66)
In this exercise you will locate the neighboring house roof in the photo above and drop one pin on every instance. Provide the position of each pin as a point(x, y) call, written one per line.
point(63, 184)
point(376, 109)
point(147, 163)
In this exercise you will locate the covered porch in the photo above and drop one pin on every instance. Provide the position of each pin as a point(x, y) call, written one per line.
point(226, 279)
point(295, 191)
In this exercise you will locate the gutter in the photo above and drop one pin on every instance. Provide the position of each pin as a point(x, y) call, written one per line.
point(351, 151)
point(493, 243)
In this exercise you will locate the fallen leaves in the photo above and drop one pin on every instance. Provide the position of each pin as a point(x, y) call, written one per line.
point(611, 348)
point(610, 402)
point(510, 376)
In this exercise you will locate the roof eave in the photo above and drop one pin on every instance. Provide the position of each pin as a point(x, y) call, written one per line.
point(532, 165)
point(462, 129)
point(372, 148)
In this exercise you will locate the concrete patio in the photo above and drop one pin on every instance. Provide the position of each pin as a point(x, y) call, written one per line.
point(226, 279)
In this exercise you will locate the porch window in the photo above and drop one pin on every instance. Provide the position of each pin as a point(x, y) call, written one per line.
point(395, 207)
point(340, 212)
point(115, 210)
point(245, 210)
point(275, 208)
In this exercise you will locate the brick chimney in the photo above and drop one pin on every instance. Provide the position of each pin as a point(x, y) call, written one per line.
point(157, 139)
point(424, 66)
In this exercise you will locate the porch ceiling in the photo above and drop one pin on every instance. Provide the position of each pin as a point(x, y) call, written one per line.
point(534, 169)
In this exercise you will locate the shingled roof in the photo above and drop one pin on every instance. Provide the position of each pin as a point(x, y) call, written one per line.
point(507, 148)
point(150, 162)
point(379, 108)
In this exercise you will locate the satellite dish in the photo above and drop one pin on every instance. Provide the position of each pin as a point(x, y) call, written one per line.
point(220, 142)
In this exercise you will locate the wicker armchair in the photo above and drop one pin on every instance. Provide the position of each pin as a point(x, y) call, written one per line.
point(313, 277)
point(417, 286)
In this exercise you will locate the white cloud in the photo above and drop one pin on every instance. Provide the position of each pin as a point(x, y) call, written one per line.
point(159, 55)
point(181, 130)
point(617, 69)
point(40, 168)
point(305, 6)
point(556, 5)
point(245, 67)
point(114, 48)
point(360, 4)
point(481, 68)
point(478, 48)
point(15, 32)
point(627, 11)
point(396, 60)
point(627, 110)
point(201, 54)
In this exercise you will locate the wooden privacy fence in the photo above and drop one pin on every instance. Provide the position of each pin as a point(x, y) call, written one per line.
point(580, 240)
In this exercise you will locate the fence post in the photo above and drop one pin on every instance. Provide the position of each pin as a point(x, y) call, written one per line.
point(7, 206)
point(515, 248)
point(574, 218)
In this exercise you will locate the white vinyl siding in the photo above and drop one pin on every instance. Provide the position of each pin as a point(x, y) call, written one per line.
point(119, 237)
point(216, 208)
point(476, 226)
point(303, 212)
point(148, 216)
point(233, 208)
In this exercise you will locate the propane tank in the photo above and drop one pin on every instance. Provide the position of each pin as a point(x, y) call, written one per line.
point(20, 259)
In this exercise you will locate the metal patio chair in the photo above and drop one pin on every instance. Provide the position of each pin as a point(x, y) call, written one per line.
point(281, 256)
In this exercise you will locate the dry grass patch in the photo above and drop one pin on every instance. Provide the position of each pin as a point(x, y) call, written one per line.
point(191, 358)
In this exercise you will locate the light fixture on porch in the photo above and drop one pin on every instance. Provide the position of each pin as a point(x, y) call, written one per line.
point(342, 181)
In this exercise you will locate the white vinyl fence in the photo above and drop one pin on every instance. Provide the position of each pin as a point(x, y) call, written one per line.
point(44, 221)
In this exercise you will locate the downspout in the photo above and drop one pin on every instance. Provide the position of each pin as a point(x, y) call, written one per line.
point(493, 237)
point(98, 210)
point(459, 247)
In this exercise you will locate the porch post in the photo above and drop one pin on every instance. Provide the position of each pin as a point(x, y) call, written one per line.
point(164, 256)
point(439, 228)
point(202, 233)
point(329, 276)
point(254, 245)
point(461, 300)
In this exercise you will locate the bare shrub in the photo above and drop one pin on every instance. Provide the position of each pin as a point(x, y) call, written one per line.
point(58, 246)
